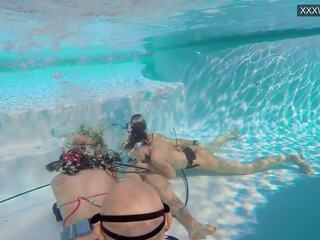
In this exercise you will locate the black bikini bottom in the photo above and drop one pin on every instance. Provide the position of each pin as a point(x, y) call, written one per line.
point(191, 156)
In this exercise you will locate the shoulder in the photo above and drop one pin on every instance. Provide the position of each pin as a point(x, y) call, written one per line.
point(58, 180)
point(156, 137)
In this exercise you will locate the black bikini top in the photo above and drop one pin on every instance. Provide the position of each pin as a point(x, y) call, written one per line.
point(132, 218)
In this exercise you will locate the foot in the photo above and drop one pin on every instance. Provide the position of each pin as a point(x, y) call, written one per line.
point(233, 134)
point(298, 160)
point(201, 231)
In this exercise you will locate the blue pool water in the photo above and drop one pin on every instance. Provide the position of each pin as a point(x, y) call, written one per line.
point(282, 218)
point(201, 67)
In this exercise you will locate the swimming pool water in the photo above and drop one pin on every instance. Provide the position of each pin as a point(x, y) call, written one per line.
point(200, 67)
point(270, 91)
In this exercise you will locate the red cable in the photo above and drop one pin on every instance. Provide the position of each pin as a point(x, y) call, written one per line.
point(78, 201)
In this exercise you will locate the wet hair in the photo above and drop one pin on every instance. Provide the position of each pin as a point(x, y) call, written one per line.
point(75, 160)
point(136, 117)
point(137, 133)
point(96, 135)
point(84, 156)
point(137, 129)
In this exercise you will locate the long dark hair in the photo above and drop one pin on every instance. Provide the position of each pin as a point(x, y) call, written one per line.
point(137, 129)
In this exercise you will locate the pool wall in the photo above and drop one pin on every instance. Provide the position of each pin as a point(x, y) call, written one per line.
point(268, 89)
point(34, 134)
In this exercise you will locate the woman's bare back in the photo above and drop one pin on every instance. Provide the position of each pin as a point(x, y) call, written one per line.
point(86, 188)
point(168, 152)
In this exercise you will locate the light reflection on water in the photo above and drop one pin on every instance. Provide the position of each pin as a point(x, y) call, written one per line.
point(269, 90)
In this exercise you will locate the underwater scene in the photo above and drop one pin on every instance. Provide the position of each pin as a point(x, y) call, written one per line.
point(215, 104)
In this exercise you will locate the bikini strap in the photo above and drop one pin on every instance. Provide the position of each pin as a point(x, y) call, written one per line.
point(78, 201)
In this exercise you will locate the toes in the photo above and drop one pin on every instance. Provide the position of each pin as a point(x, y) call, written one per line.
point(307, 170)
point(212, 229)
point(300, 162)
point(235, 133)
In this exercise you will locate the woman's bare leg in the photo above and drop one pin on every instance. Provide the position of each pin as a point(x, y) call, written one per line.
point(195, 229)
point(222, 165)
point(222, 139)
point(298, 160)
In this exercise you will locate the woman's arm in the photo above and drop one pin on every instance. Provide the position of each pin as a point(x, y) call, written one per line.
point(163, 167)
point(179, 141)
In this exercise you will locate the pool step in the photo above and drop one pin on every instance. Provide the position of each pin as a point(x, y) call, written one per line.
point(157, 101)
point(31, 139)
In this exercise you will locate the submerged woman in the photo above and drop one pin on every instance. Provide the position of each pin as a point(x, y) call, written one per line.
point(85, 181)
point(166, 155)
